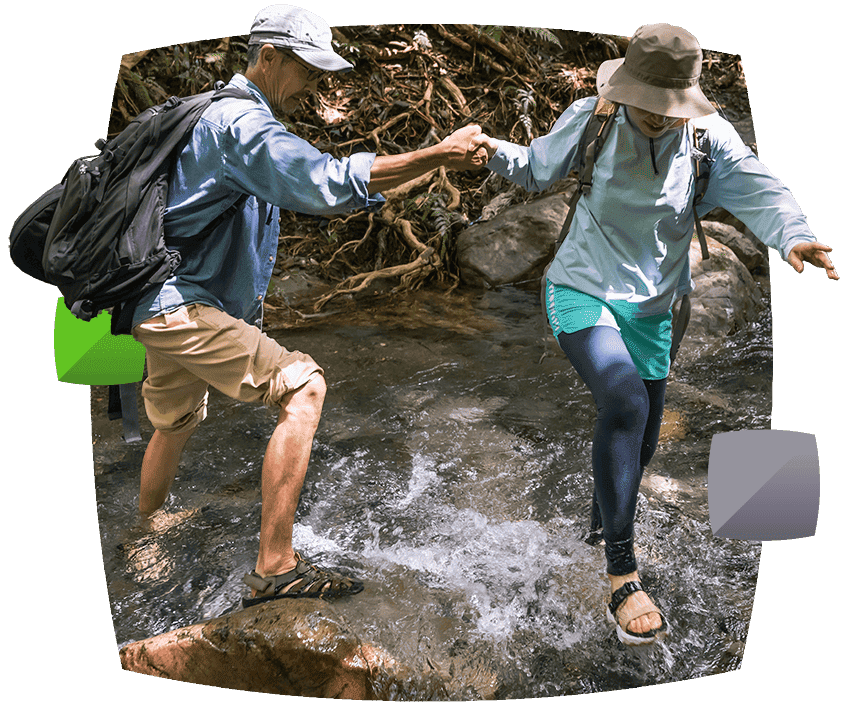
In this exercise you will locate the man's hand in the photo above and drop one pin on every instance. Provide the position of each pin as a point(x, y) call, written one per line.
point(816, 254)
point(478, 147)
point(462, 148)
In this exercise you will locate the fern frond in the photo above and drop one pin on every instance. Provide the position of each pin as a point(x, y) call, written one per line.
point(541, 33)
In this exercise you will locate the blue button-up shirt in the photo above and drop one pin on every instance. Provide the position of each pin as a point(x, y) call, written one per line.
point(239, 148)
point(630, 238)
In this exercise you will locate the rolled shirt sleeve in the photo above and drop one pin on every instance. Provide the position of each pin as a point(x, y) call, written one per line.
point(261, 158)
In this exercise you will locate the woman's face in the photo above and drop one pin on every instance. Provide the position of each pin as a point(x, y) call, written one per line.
point(653, 125)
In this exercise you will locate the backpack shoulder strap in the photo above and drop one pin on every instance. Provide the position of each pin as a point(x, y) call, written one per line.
point(225, 91)
point(701, 176)
point(595, 134)
point(593, 137)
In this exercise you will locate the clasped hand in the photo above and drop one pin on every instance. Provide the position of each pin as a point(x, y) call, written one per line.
point(468, 148)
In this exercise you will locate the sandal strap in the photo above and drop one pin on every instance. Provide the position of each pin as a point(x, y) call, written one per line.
point(305, 579)
point(618, 598)
point(271, 585)
point(621, 593)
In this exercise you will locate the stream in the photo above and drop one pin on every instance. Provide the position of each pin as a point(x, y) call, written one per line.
point(451, 473)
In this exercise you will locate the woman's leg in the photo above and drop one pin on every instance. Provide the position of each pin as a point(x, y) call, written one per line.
point(656, 391)
point(627, 427)
point(602, 361)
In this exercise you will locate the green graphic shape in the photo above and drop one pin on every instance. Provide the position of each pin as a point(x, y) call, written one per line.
point(86, 352)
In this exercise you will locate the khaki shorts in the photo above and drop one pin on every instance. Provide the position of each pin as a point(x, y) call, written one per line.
point(198, 346)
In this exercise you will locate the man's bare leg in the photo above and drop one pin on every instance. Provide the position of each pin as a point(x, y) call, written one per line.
point(159, 467)
point(283, 471)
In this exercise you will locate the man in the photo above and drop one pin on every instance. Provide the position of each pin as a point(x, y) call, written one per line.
point(201, 327)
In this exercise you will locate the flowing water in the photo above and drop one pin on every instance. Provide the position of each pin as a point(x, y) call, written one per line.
point(451, 472)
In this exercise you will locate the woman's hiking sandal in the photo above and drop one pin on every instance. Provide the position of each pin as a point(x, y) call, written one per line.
point(304, 581)
point(626, 636)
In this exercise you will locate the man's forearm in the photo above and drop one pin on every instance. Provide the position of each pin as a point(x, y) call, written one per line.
point(391, 171)
point(455, 150)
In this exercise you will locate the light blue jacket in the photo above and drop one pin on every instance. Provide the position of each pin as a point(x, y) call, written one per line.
point(238, 148)
point(630, 237)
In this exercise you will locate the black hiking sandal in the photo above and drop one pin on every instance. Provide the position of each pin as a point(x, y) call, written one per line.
point(626, 636)
point(304, 581)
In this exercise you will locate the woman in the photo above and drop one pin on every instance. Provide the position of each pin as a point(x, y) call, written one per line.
point(625, 262)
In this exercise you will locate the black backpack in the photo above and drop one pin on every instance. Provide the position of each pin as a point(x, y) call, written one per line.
point(99, 234)
point(592, 139)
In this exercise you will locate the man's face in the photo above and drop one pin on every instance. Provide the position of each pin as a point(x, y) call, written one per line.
point(653, 125)
point(290, 80)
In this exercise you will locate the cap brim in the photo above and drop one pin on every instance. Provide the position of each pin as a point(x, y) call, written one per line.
point(615, 84)
point(324, 59)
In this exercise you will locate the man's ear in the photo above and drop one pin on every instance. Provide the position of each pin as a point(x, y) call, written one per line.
point(268, 55)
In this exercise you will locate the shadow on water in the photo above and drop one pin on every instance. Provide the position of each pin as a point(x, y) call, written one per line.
point(452, 473)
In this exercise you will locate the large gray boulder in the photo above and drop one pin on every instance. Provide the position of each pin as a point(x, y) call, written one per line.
point(748, 249)
point(725, 299)
point(515, 245)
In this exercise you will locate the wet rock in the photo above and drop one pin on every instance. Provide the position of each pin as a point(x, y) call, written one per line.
point(748, 249)
point(297, 648)
point(515, 245)
point(725, 299)
point(282, 647)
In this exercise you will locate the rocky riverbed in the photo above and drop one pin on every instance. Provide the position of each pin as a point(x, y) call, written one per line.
point(451, 472)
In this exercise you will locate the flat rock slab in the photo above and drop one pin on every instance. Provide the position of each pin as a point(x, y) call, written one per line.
point(284, 647)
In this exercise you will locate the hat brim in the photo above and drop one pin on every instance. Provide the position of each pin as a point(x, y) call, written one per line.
point(324, 59)
point(615, 84)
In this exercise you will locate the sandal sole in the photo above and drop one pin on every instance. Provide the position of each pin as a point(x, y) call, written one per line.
point(253, 601)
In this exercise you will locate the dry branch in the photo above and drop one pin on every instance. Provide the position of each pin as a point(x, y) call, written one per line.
point(456, 94)
point(465, 46)
point(487, 41)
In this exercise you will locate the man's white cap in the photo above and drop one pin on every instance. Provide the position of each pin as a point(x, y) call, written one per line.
point(301, 32)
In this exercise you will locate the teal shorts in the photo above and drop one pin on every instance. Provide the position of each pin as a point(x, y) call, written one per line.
point(647, 338)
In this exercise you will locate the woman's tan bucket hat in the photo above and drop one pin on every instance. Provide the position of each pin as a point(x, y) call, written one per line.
point(659, 73)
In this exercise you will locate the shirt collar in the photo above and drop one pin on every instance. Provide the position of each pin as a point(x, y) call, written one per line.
point(242, 82)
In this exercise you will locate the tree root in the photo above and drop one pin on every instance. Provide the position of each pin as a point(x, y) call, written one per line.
point(426, 262)
point(352, 244)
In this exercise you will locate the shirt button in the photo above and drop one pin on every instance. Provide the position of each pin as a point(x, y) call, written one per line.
point(259, 297)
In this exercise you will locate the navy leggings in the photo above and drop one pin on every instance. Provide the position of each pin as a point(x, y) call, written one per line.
point(627, 427)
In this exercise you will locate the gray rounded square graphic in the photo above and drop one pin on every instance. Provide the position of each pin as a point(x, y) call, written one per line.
point(763, 485)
